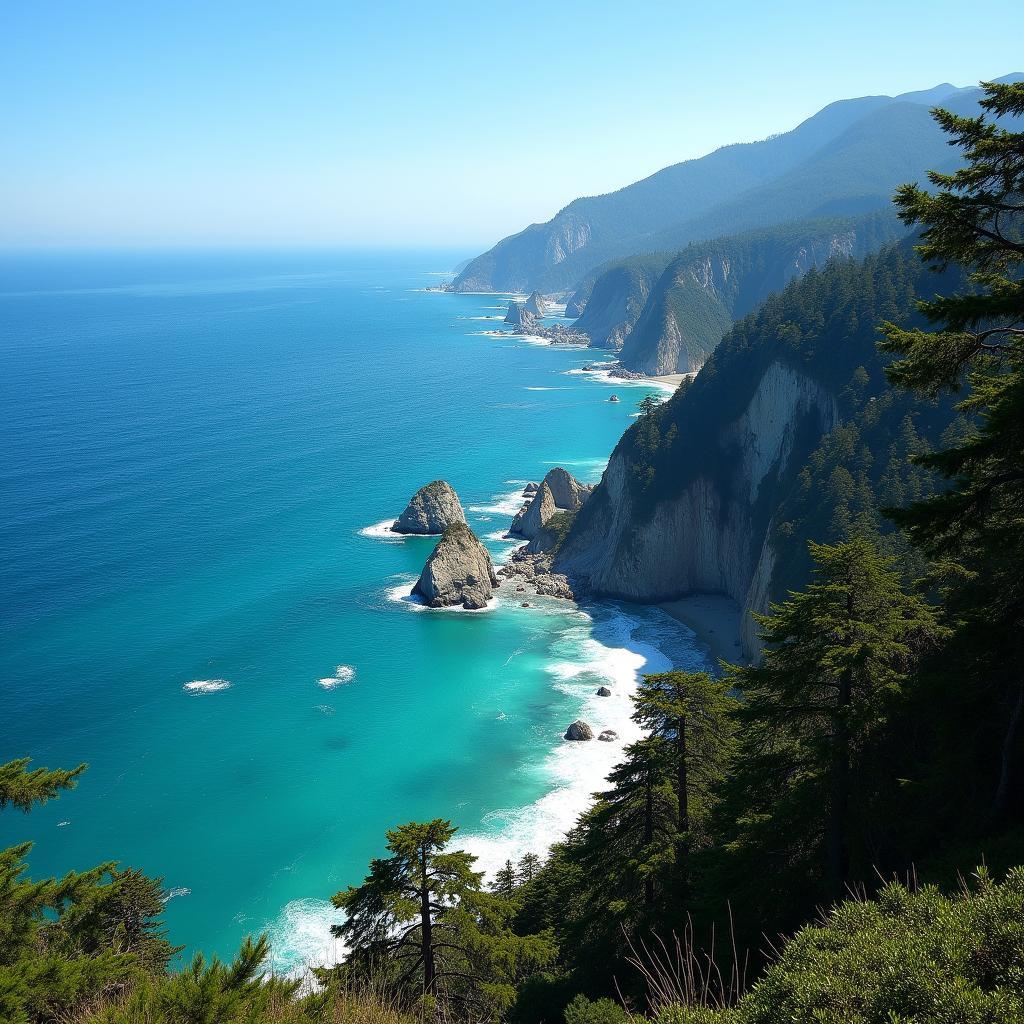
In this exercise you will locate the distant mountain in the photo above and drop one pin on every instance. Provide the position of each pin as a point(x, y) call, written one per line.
point(846, 159)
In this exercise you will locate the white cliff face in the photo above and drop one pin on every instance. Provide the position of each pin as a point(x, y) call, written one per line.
point(702, 541)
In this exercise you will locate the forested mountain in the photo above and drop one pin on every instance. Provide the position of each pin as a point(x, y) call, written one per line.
point(708, 285)
point(788, 432)
point(845, 159)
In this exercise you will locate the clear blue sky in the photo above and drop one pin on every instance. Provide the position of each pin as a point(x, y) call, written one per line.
point(249, 123)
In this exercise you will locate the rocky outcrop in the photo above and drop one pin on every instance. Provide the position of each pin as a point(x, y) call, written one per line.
point(712, 534)
point(579, 730)
point(458, 572)
point(432, 510)
point(535, 304)
point(559, 491)
point(520, 317)
point(608, 735)
point(603, 691)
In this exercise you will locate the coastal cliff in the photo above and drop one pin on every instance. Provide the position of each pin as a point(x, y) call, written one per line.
point(787, 434)
point(709, 285)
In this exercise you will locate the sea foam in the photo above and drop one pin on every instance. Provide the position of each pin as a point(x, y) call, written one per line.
point(342, 674)
point(206, 685)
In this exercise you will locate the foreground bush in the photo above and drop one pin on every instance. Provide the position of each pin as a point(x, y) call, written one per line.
point(906, 957)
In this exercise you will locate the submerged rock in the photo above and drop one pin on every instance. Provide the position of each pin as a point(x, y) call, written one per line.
point(608, 735)
point(459, 571)
point(432, 510)
point(603, 691)
point(579, 730)
point(614, 398)
point(535, 304)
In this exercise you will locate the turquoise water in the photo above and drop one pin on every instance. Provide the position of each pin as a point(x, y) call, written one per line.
point(192, 447)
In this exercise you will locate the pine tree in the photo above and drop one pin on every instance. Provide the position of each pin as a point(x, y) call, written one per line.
point(526, 870)
point(692, 712)
point(420, 918)
point(837, 657)
point(505, 880)
point(974, 218)
point(66, 943)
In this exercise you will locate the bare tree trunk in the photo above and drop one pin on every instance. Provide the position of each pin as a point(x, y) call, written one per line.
point(426, 930)
point(682, 782)
point(1006, 761)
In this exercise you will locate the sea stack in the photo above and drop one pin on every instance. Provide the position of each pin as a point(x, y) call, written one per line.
point(432, 510)
point(519, 316)
point(535, 304)
point(459, 571)
point(559, 491)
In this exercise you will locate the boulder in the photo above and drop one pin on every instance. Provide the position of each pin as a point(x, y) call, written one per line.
point(559, 491)
point(579, 730)
point(530, 489)
point(432, 510)
point(535, 304)
point(603, 691)
point(459, 571)
point(614, 398)
point(608, 735)
point(520, 317)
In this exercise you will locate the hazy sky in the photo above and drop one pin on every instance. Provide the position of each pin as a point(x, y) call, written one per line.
point(295, 122)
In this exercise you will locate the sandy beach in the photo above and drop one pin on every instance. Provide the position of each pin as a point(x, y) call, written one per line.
point(675, 379)
point(714, 618)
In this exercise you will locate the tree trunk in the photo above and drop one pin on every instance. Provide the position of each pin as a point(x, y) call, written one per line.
point(835, 845)
point(426, 930)
point(1006, 761)
point(648, 839)
point(682, 783)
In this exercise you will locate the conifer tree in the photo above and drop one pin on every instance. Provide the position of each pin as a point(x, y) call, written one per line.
point(526, 870)
point(691, 711)
point(836, 659)
point(974, 218)
point(420, 918)
point(505, 880)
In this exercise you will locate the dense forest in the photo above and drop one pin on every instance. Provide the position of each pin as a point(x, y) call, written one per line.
point(831, 834)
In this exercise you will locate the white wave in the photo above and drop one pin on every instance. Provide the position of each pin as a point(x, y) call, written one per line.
point(174, 893)
point(206, 685)
point(402, 594)
point(342, 674)
point(63, 824)
point(507, 504)
point(382, 531)
point(300, 938)
point(545, 389)
point(575, 770)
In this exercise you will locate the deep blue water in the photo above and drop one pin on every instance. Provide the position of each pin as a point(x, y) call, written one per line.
point(190, 447)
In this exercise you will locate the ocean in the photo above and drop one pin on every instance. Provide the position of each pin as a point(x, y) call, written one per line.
point(196, 453)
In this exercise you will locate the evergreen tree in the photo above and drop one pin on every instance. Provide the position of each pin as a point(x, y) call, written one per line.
point(505, 880)
point(836, 659)
point(67, 943)
point(421, 920)
point(974, 218)
point(529, 865)
point(692, 712)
